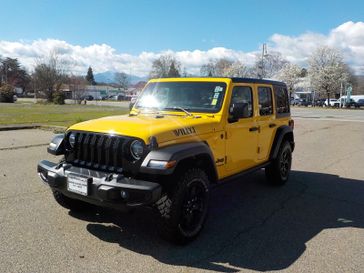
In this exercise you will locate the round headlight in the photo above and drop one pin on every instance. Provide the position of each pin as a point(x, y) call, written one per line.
point(72, 139)
point(137, 149)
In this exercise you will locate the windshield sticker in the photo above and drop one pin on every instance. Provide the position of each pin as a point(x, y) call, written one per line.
point(214, 102)
point(218, 89)
point(216, 95)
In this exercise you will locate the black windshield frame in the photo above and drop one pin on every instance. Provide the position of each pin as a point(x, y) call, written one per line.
point(205, 97)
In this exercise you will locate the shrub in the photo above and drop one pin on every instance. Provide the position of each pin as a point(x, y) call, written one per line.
point(7, 93)
point(58, 97)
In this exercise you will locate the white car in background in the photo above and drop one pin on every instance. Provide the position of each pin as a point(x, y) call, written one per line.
point(333, 103)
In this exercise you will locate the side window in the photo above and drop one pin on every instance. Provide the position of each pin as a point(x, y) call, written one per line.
point(243, 94)
point(281, 96)
point(265, 101)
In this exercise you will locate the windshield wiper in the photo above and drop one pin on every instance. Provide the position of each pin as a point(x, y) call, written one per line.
point(179, 108)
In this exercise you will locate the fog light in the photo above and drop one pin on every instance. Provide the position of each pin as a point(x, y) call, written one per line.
point(124, 194)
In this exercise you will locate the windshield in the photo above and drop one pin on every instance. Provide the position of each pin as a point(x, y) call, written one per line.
point(204, 97)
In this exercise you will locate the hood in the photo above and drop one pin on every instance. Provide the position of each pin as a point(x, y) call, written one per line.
point(164, 128)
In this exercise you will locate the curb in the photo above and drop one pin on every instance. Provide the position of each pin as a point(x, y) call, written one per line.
point(31, 126)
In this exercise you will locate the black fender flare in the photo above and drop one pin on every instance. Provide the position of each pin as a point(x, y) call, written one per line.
point(281, 133)
point(178, 153)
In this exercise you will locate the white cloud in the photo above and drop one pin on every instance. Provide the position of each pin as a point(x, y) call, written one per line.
point(348, 37)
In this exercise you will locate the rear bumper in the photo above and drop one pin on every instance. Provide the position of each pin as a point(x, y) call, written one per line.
point(104, 189)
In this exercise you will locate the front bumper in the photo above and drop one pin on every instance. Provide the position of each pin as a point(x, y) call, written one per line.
point(104, 189)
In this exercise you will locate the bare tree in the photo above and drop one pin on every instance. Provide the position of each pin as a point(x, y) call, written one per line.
point(238, 69)
point(162, 66)
point(224, 68)
point(327, 70)
point(122, 80)
point(290, 74)
point(49, 75)
point(77, 85)
point(208, 70)
point(270, 65)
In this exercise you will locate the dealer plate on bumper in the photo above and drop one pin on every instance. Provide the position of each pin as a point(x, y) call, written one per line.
point(77, 184)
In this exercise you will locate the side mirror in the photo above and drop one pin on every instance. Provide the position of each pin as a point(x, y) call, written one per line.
point(239, 110)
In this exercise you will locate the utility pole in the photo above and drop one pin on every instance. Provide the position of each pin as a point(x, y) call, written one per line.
point(264, 54)
point(341, 94)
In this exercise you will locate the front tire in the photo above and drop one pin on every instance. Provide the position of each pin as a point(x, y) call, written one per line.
point(277, 173)
point(184, 210)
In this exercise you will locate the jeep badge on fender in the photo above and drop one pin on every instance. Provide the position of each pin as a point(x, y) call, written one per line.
point(181, 136)
point(184, 131)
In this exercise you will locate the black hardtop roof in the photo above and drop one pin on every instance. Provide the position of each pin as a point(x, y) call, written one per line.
point(253, 80)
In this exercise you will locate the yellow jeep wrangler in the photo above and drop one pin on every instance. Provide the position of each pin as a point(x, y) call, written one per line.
point(181, 136)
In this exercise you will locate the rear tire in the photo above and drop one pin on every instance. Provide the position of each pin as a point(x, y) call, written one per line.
point(277, 173)
point(184, 210)
point(69, 203)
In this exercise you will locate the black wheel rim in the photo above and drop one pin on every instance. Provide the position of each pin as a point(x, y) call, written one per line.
point(194, 208)
point(285, 163)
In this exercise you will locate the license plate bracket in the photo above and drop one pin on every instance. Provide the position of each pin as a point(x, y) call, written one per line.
point(78, 184)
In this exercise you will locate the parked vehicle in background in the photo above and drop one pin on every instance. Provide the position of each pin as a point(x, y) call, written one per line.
point(360, 103)
point(120, 97)
point(332, 103)
point(304, 102)
point(349, 104)
point(87, 97)
point(319, 102)
point(295, 101)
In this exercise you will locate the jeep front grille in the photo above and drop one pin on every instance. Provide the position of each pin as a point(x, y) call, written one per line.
point(97, 151)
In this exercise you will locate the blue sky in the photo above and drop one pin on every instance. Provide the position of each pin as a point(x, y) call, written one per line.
point(136, 26)
point(128, 35)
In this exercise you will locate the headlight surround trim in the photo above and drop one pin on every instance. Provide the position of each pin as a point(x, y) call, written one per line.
point(137, 149)
point(72, 139)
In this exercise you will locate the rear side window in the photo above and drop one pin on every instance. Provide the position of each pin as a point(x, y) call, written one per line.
point(265, 101)
point(281, 98)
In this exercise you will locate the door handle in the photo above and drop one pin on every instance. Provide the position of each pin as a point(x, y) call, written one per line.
point(272, 125)
point(253, 129)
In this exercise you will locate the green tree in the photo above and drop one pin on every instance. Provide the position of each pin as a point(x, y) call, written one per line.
point(12, 73)
point(6, 93)
point(90, 76)
point(173, 71)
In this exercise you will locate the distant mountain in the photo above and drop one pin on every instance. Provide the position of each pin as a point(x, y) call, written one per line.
point(109, 77)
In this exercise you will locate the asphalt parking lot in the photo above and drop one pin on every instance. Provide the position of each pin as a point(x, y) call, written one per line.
point(313, 224)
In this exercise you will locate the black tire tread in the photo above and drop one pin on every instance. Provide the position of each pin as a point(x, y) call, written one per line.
point(168, 207)
point(272, 171)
